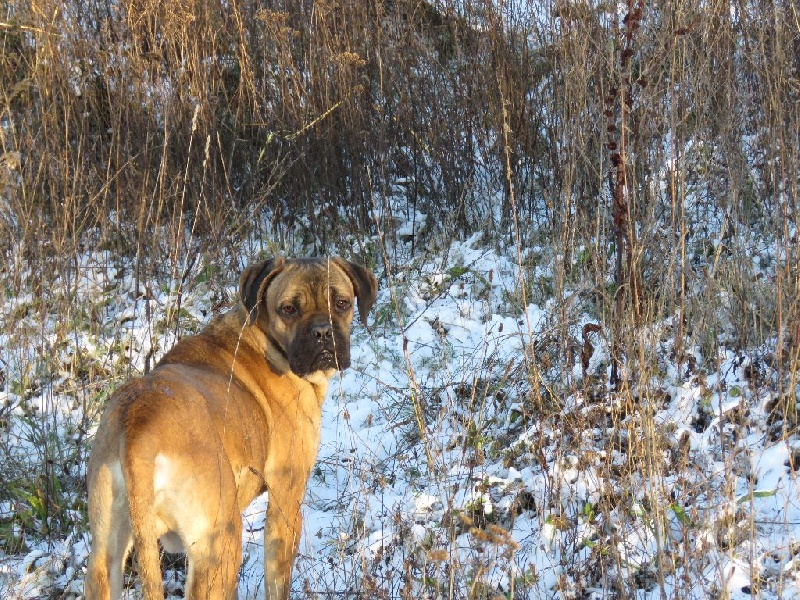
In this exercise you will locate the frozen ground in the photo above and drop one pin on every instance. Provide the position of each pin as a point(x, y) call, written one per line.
point(466, 453)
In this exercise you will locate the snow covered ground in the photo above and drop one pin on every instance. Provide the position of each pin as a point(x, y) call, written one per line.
point(466, 453)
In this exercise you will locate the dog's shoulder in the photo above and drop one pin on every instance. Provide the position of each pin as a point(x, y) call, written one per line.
point(194, 350)
point(224, 335)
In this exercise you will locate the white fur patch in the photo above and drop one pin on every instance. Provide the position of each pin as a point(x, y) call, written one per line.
point(162, 473)
point(180, 520)
point(116, 473)
point(320, 378)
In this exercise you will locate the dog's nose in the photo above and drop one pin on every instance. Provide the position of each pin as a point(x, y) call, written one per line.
point(322, 331)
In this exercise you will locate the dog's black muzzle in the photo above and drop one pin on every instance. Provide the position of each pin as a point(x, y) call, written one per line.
point(319, 346)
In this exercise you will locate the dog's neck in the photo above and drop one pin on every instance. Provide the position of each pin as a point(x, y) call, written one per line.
point(320, 380)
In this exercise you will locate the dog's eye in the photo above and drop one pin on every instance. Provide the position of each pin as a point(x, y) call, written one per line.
point(342, 304)
point(288, 310)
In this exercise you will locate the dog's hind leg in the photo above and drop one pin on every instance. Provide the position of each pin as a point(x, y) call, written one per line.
point(214, 563)
point(212, 537)
point(111, 535)
point(139, 475)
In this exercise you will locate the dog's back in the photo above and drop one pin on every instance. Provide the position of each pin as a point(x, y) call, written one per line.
point(165, 465)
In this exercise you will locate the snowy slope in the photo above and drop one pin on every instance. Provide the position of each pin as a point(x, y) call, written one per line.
point(466, 454)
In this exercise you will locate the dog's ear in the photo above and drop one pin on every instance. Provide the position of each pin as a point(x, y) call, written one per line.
point(365, 285)
point(254, 281)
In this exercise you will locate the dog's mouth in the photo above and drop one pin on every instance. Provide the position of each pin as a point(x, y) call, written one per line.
point(324, 360)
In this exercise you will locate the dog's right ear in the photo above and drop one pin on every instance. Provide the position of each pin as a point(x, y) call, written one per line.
point(254, 281)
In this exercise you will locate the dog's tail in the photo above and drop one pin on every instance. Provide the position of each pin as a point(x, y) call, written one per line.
point(139, 470)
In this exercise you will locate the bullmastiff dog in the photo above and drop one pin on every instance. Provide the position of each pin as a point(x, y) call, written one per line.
point(224, 416)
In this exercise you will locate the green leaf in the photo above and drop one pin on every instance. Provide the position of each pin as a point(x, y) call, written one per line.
point(756, 494)
point(681, 515)
point(457, 271)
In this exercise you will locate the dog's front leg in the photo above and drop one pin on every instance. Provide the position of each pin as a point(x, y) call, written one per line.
point(282, 537)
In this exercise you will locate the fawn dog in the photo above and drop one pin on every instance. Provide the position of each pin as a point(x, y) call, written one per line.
point(225, 415)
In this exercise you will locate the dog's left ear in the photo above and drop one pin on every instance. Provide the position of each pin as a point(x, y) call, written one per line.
point(365, 285)
point(254, 281)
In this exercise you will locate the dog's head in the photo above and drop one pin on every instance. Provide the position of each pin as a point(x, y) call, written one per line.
point(305, 308)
